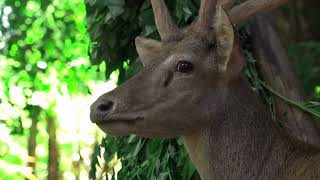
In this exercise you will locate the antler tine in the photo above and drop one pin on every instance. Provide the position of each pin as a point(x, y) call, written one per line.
point(244, 11)
point(165, 25)
point(206, 13)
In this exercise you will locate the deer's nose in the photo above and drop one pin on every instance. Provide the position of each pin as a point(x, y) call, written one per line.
point(99, 110)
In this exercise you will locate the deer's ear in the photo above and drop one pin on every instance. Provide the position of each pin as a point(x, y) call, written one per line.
point(147, 49)
point(224, 37)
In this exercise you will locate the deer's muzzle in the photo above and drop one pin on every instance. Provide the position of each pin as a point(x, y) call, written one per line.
point(99, 110)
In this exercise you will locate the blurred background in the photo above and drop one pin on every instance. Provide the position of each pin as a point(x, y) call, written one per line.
point(46, 88)
point(58, 56)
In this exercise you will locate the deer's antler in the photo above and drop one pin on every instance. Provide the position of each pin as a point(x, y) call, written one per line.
point(206, 13)
point(238, 14)
point(165, 25)
point(244, 11)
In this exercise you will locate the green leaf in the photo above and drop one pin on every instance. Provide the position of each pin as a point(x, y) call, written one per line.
point(115, 7)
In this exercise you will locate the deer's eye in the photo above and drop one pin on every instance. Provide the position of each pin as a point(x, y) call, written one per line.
point(184, 67)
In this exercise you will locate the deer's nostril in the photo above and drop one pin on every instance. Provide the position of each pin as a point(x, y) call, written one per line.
point(105, 106)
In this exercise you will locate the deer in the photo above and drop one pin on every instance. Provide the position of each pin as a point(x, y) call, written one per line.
point(191, 86)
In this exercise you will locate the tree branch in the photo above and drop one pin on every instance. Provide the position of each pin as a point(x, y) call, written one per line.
point(244, 11)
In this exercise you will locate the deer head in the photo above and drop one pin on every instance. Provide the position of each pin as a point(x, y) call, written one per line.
point(185, 80)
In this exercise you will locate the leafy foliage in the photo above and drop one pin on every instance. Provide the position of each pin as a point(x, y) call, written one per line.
point(114, 24)
point(43, 61)
point(143, 159)
point(41, 43)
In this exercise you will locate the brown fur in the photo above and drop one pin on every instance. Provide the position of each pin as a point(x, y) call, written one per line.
point(248, 145)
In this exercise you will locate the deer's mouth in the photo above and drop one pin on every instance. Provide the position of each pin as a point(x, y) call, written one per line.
point(118, 125)
point(119, 119)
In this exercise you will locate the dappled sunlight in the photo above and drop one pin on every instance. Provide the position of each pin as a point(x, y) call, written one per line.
point(76, 134)
point(10, 150)
point(75, 127)
point(73, 114)
point(47, 85)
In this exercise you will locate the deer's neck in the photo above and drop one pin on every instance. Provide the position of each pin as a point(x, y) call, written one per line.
point(244, 144)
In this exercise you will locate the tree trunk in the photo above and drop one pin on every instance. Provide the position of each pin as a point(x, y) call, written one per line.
point(274, 66)
point(32, 145)
point(32, 139)
point(77, 164)
point(53, 166)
